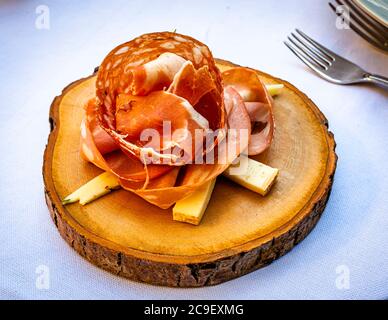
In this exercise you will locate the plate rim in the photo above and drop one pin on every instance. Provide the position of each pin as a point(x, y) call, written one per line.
point(371, 13)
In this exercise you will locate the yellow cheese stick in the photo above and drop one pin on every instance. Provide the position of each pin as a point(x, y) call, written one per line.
point(192, 208)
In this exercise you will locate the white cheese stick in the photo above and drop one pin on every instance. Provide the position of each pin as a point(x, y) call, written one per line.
point(258, 177)
point(93, 189)
point(274, 89)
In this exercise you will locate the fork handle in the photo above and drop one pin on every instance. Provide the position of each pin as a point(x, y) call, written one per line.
point(375, 78)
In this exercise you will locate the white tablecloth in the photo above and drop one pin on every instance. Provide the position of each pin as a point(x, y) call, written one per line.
point(345, 256)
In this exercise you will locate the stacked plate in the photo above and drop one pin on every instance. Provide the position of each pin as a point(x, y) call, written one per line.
point(376, 9)
point(368, 18)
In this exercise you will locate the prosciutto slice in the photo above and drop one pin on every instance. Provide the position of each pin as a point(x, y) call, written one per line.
point(156, 74)
point(192, 84)
point(168, 120)
point(124, 166)
point(100, 137)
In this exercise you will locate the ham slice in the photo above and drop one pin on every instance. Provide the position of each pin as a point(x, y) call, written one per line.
point(258, 104)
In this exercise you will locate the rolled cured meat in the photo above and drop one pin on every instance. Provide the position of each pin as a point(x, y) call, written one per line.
point(162, 110)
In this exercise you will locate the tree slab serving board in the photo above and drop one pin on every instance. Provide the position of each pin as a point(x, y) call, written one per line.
point(241, 231)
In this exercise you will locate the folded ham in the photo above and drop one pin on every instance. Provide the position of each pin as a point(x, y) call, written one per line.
point(258, 103)
point(162, 110)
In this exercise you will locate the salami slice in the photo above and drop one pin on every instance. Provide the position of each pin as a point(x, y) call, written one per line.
point(115, 73)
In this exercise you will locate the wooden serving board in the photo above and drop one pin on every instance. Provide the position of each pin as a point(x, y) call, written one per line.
point(241, 230)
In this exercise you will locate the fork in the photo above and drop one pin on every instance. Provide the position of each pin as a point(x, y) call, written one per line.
point(328, 64)
point(361, 23)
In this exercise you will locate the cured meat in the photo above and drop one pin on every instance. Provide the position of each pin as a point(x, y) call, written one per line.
point(160, 105)
point(168, 120)
point(114, 75)
point(198, 88)
point(196, 175)
point(102, 140)
point(156, 74)
point(258, 104)
point(122, 165)
point(192, 84)
point(147, 65)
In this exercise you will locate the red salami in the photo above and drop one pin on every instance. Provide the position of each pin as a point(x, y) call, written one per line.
point(116, 72)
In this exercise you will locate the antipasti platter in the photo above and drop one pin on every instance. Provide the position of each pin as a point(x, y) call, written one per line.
point(174, 168)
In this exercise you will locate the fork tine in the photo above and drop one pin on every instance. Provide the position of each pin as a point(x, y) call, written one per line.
point(329, 54)
point(355, 15)
point(326, 62)
point(305, 59)
point(362, 33)
point(308, 53)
